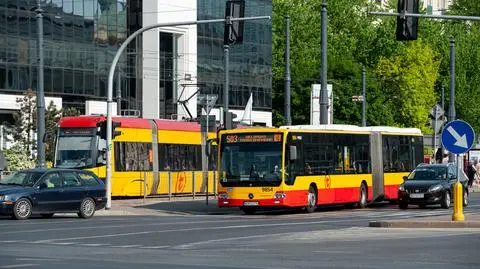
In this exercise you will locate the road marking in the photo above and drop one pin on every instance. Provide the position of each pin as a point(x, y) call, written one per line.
point(154, 247)
point(36, 259)
point(12, 241)
point(126, 246)
point(63, 243)
point(92, 245)
point(189, 229)
point(18, 265)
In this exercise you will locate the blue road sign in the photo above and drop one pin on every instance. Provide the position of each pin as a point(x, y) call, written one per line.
point(458, 137)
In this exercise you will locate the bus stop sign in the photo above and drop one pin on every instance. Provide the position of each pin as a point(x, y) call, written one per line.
point(458, 137)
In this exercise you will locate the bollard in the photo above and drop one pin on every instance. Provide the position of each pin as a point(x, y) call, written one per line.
point(170, 185)
point(215, 184)
point(193, 184)
point(458, 203)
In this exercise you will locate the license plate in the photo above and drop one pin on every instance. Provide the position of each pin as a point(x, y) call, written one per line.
point(250, 203)
point(416, 195)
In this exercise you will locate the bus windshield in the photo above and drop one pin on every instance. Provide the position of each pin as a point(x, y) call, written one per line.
point(75, 152)
point(247, 160)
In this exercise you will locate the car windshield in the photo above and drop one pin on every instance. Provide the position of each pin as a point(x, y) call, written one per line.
point(22, 178)
point(429, 173)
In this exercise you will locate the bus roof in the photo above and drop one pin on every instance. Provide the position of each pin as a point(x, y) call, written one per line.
point(394, 130)
point(128, 122)
point(325, 127)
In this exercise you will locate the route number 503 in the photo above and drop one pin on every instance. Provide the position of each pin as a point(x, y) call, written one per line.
point(231, 139)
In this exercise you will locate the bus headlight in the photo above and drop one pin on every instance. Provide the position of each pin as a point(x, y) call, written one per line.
point(223, 196)
point(280, 195)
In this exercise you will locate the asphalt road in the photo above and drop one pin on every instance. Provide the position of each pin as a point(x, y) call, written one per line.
point(328, 238)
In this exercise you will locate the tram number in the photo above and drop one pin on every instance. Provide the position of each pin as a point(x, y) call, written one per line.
point(267, 189)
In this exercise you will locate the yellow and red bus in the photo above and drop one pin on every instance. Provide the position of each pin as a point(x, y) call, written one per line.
point(307, 166)
point(166, 152)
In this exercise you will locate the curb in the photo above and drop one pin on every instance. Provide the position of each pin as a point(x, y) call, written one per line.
point(425, 224)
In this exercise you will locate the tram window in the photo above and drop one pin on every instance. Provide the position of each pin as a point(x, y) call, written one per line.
point(179, 157)
point(132, 156)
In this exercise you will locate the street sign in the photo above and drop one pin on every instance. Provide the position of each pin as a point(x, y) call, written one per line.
point(458, 137)
point(437, 112)
point(437, 124)
point(212, 125)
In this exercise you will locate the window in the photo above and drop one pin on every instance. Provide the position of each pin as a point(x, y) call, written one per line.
point(70, 180)
point(87, 179)
point(53, 181)
point(132, 156)
point(400, 153)
point(179, 157)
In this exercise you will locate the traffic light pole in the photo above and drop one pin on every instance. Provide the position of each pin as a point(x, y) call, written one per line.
point(40, 91)
point(451, 107)
point(110, 86)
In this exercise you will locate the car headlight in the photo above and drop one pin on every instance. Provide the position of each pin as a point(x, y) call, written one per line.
point(401, 188)
point(3, 197)
point(435, 188)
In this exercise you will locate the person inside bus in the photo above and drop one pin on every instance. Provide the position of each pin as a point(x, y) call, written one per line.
point(308, 169)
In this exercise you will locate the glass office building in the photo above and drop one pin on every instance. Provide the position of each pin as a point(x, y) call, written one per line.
point(250, 63)
point(80, 40)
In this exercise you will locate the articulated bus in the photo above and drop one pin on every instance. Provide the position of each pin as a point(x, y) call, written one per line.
point(307, 166)
point(166, 152)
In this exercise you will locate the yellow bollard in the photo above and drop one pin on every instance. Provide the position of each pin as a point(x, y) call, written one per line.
point(458, 202)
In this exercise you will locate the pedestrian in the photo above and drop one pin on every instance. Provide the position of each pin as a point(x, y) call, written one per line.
point(477, 171)
point(471, 171)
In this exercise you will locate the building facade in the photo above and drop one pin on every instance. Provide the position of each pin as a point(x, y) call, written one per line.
point(160, 73)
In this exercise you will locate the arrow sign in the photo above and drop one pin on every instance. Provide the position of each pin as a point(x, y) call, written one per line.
point(458, 137)
point(461, 141)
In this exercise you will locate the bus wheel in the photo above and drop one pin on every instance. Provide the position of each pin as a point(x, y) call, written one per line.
point(249, 210)
point(363, 196)
point(312, 200)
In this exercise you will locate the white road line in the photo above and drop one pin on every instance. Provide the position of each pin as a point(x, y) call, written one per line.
point(124, 226)
point(93, 245)
point(154, 247)
point(12, 241)
point(189, 229)
point(126, 246)
point(18, 265)
point(63, 243)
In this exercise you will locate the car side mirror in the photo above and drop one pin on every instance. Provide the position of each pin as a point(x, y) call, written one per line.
point(405, 178)
point(42, 186)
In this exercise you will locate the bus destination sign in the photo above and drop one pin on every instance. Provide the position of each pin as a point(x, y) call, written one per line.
point(253, 138)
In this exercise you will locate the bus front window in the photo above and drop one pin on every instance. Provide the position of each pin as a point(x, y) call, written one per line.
point(251, 164)
point(75, 152)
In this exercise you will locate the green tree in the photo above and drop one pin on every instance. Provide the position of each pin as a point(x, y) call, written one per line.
point(24, 122)
point(17, 158)
point(408, 79)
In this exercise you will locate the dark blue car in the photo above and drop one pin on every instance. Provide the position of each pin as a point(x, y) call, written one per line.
point(50, 191)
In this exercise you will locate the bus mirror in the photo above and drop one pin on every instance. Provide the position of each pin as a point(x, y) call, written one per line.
point(293, 153)
point(405, 178)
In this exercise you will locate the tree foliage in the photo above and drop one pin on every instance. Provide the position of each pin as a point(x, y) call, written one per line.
point(17, 158)
point(404, 79)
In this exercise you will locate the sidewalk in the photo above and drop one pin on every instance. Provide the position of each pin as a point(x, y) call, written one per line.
point(165, 207)
point(472, 220)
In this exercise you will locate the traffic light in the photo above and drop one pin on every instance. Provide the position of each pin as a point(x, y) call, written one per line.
point(234, 33)
point(407, 27)
point(229, 116)
point(102, 129)
point(115, 125)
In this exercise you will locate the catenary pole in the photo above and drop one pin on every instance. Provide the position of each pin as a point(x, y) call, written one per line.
point(288, 116)
point(40, 90)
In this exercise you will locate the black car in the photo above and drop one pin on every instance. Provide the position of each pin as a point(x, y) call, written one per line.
point(431, 184)
point(49, 191)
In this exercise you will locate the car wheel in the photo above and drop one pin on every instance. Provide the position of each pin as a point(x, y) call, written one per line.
point(446, 200)
point(22, 209)
point(312, 200)
point(465, 198)
point(402, 205)
point(47, 216)
point(87, 208)
point(363, 197)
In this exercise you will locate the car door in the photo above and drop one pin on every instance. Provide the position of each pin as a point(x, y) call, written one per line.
point(48, 196)
point(452, 178)
point(73, 190)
